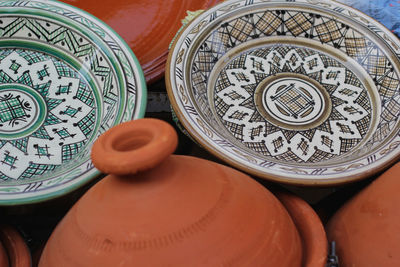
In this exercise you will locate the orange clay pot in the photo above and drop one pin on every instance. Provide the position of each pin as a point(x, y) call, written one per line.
point(366, 228)
point(148, 26)
point(3, 256)
point(15, 246)
point(158, 209)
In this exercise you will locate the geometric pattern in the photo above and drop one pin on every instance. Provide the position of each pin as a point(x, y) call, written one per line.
point(69, 120)
point(302, 25)
point(348, 123)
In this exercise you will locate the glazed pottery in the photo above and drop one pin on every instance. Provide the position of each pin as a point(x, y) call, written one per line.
point(15, 246)
point(366, 228)
point(302, 92)
point(147, 26)
point(157, 209)
point(66, 77)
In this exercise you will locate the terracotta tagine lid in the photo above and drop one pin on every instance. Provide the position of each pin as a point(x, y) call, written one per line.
point(18, 254)
point(158, 209)
point(147, 26)
point(366, 228)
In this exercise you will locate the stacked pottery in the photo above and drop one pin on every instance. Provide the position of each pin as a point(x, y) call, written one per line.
point(13, 250)
point(158, 209)
point(366, 227)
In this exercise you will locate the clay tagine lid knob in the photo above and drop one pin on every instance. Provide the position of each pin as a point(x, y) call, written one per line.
point(132, 147)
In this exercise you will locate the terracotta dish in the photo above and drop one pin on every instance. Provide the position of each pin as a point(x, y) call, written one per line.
point(302, 92)
point(66, 77)
point(3, 256)
point(366, 228)
point(17, 250)
point(147, 26)
point(157, 209)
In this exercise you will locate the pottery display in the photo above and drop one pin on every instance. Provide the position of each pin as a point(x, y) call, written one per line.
point(15, 247)
point(366, 228)
point(65, 78)
point(147, 26)
point(302, 92)
point(157, 209)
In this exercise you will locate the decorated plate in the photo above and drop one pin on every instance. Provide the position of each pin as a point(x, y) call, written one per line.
point(303, 92)
point(65, 78)
point(147, 26)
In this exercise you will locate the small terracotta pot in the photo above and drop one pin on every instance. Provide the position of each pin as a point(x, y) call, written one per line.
point(158, 209)
point(17, 250)
point(3, 256)
point(366, 228)
point(310, 227)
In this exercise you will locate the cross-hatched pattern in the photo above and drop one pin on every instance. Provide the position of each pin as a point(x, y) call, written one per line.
point(238, 115)
point(43, 73)
point(328, 61)
point(256, 131)
point(298, 23)
point(9, 160)
point(21, 144)
point(43, 88)
point(70, 111)
point(87, 123)
point(289, 156)
point(235, 129)
point(326, 141)
point(363, 101)
point(69, 151)
point(332, 75)
point(356, 46)
point(388, 86)
point(11, 109)
point(376, 65)
point(64, 89)
point(222, 82)
point(53, 103)
point(33, 57)
point(263, 52)
point(37, 169)
point(326, 127)
point(328, 31)
point(4, 78)
point(220, 105)
point(312, 63)
point(238, 63)
point(293, 100)
point(303, 146)
point(205, 60)
point(241, 29)
point(63, 133)
point(63, 70)
point(347, 92)
point(42, 151)
point(352, 79)
point(25, 78)
point(381, 132)
point(219, 41)
point(234, 95)
point(319, 156)
point(52, 119)
point(268, 23)
point(363, 124)
point(41, 133)
point(347, 144)
point(256, 64)
point(14, 66)
point(293, 59)
point(391, 112)
point(278, 143)
point(343, 128)
point(258, 147)
point(85, 95)
point(241, 76)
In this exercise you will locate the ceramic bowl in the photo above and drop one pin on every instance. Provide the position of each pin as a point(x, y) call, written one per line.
point(65, 78)
point(302, 92)
point(17, 251)
point(155, 23)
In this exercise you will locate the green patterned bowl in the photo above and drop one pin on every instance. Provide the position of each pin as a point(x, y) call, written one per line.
point(65, 78)
point(303, 92)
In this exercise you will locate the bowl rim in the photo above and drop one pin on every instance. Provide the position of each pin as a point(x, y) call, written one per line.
point(353, 175)
point(137, 112)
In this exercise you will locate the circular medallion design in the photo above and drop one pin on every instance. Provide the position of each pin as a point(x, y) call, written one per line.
point(22, 111)
point(292, 101)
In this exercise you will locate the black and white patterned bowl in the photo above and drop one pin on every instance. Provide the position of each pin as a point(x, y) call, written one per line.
point(303, 92)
